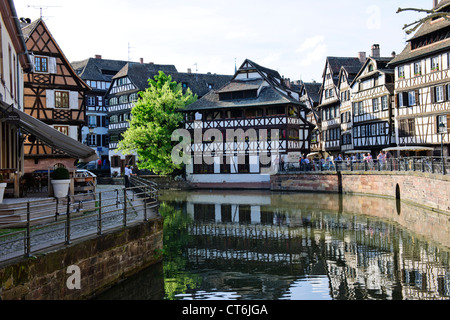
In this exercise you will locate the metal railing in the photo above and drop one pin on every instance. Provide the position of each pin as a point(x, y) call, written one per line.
point(45, 224)
point(435, 165)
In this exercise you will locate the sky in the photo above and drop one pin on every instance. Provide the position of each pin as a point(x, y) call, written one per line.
point(293, 37)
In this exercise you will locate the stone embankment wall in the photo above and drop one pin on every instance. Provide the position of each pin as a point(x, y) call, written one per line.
point(102, 261)
point(168, 182)
point(424, 189)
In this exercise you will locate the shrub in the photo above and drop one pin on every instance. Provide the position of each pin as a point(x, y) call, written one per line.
point(60, 174)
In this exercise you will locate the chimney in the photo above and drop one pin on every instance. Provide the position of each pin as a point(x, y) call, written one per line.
point(189, 70)
point(393, 54)
point(376, 51)
point(435, 3)
point(362, 57)
point(141, 60)
point(98, 56)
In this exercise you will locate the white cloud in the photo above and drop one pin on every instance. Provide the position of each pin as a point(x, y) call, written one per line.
point(374, 19)
point(311, 43)
point(314, 48)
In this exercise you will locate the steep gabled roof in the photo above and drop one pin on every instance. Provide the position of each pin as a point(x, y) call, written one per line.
point(381, 66)
point(429, 27)
point(139, 73)
point(201, 83)
point(29, 29)
point(351, 64)
point(272, 90)
point(98, 69)
point(313, 90)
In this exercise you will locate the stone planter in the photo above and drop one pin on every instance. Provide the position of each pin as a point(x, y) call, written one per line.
point(60, 188)
point(2, 191)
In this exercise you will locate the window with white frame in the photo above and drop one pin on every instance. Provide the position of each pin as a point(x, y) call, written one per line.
point(417, 68)
point(91, 101)
point(439, 94)
point(384, 103)
point(442, 124)
point(411, 98)
point(401, 72)
point(375, 105)
point(92, 121)
point(435, 63)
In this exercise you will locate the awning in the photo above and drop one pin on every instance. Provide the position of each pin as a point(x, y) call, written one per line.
point(357, 151)
point(409, 148)
point(53, 137)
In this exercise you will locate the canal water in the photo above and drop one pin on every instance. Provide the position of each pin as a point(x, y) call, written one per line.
point(252, 245)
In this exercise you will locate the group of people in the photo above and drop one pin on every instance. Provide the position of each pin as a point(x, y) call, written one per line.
point(342, 162)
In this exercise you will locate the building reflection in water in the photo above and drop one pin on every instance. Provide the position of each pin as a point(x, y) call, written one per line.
point(264, 245)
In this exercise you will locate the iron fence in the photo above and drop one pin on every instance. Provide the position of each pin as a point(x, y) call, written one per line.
point(435, 165)
point(43, 224)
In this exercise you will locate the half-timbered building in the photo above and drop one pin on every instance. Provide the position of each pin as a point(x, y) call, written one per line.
point(120, 98)
point(330, 98)
point(247, 127)
point(13, 60)
point(310, 95)
point(123, 92)
point(345, 109)
point(422, 86)
point(97, 73)
point(372, 93)
point(53, 94)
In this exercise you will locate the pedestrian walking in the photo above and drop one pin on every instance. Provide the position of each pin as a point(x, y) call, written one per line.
point(128, 174)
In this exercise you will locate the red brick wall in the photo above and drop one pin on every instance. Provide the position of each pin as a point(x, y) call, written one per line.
point(44, 164)
point(432, 191)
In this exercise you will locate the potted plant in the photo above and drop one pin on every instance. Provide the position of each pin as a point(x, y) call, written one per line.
point(60, 179)
point(2, 188)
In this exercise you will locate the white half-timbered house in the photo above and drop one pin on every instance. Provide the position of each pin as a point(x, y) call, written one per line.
point(345, 80)
point(310, 95)
point(330, 99)
point(372, 93)
point(120, 98)
point(97, 73)
point(256, 121)
point(123, 92)
point(422, 86)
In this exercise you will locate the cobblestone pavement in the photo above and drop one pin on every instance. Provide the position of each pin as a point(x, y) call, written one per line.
point(82, 224)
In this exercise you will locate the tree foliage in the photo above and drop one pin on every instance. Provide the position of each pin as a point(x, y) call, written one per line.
point(154, 117)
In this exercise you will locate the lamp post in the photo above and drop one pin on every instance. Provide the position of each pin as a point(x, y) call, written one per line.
point(441, 131)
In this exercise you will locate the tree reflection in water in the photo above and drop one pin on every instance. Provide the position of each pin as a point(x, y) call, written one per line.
point(262, 245)
point(272, 246)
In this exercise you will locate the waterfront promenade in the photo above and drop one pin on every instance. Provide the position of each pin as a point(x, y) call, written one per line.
point(111, 207)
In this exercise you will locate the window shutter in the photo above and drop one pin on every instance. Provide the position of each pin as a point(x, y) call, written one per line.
point(433, 94)
point(73, 100)
point(417, 98)
point(52, 65)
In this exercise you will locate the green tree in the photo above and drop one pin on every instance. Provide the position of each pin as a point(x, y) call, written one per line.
point(154, 118)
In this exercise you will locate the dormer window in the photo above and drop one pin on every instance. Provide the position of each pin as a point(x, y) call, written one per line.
point(237, 95)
